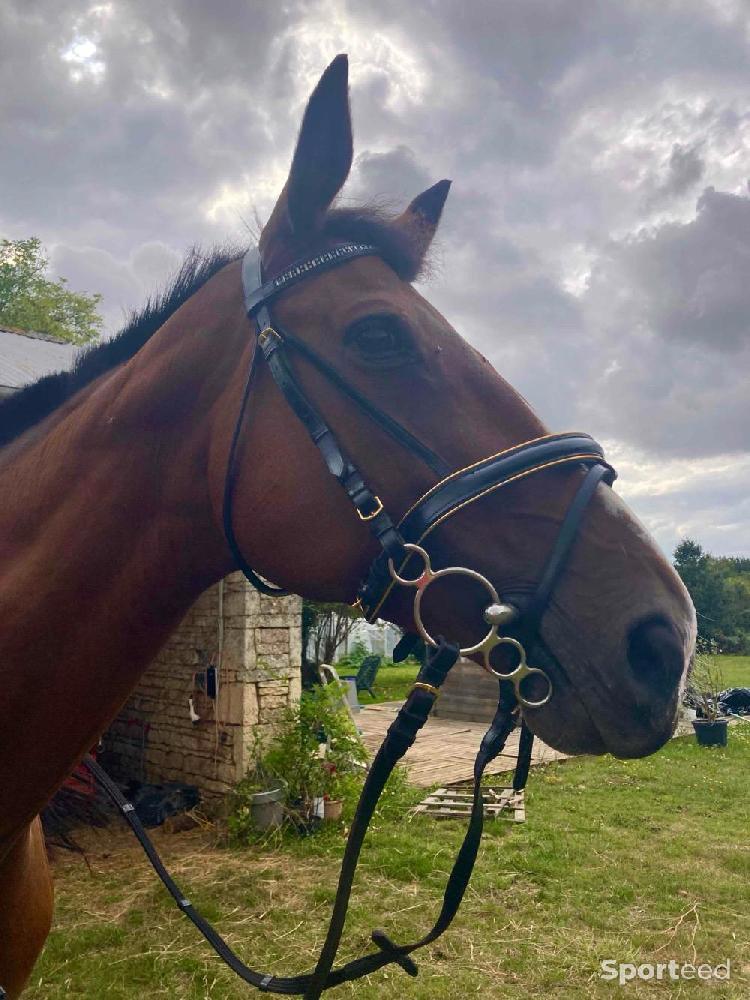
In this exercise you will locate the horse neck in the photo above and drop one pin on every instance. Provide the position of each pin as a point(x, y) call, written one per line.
point(107, 536)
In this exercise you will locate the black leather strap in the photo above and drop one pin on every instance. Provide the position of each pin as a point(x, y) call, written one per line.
point(400, 736)
point(492, 744)
point(394, 429)
point(467, 485)
point(230, 482)
point(532, 613)
point(274, 344)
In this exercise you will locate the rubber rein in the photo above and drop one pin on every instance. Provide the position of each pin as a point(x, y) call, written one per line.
point(404, 561)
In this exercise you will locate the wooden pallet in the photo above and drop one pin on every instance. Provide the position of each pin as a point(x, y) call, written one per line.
point(451, 803)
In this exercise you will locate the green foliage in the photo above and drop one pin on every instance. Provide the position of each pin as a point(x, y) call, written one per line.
point(30, 301)
point(720, 590)
point(395, 680)
point(352, 661)
point(705, 685)
point(293, 758)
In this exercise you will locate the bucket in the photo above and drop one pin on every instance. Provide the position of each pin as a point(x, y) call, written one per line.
point(267, 809)
point(351, 692)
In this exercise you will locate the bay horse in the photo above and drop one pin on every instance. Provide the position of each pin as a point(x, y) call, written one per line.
point(111, 499)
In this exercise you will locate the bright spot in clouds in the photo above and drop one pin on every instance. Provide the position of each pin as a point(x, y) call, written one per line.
point(596, 243)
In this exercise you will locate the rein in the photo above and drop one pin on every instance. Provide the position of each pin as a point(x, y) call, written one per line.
point(402, 561)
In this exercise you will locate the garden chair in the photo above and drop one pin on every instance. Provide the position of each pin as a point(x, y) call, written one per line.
point(367, 673)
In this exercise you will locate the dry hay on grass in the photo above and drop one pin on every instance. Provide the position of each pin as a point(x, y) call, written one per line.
point(199, 862)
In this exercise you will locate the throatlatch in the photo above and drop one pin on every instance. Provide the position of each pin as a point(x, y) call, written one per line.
point(404, 561)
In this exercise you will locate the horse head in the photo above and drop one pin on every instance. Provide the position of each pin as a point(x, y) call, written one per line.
point(618, 631)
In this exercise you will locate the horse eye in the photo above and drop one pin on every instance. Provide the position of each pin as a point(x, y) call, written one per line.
point(380, 340)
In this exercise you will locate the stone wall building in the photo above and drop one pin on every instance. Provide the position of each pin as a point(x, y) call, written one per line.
point(172, 729)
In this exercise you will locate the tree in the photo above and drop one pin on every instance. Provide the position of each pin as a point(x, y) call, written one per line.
point(720, 591)
point(704, 585)
point(325, 626)
point(31, 301)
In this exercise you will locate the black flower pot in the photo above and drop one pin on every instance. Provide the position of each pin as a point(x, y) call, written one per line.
point(711, 732)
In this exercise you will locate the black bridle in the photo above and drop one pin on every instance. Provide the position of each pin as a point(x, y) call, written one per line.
point(402, 561)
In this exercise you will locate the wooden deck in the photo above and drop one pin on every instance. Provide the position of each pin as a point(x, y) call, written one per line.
point(445, 749)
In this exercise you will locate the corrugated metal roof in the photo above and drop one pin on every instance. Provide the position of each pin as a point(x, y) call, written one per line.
point(26, 356)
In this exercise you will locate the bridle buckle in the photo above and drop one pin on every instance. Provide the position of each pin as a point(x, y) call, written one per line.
point(269, 331)
point(423, 686)
point(374, 513)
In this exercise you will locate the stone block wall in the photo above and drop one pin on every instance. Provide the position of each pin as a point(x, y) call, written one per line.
point(255, 643)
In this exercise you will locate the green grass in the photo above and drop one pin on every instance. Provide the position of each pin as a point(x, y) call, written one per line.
point(735, 670)
point(392, 682)
point(640, 861)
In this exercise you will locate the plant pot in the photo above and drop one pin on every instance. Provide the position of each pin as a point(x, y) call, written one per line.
point(267, 809)
point(711, 732)
point(332, 809)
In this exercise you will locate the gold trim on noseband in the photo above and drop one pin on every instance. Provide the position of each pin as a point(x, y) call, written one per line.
point(490, 489)
point(468, 468)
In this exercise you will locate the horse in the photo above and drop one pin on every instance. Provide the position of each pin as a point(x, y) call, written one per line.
point(112, 483)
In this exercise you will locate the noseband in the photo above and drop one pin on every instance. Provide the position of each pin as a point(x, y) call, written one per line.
point(403, 561)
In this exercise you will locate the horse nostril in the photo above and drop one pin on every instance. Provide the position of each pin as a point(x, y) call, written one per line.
point(655, 653)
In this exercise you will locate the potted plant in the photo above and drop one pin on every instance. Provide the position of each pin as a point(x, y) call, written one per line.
point(316, 751)
point(258, 799)
point(705, 686)
point(333, 793)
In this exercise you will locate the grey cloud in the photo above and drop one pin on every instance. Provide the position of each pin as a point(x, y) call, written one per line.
point(684, 170)
point(668, 314)
point(122, 283)
point(576, 136)
point(708, 500)
point(395, 175)
point(686, 282)
point(686, 167)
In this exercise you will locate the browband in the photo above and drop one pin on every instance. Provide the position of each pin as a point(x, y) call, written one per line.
point(258, 293)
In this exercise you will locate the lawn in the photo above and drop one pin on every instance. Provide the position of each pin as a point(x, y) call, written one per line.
point(635, 861)
point(392, 682)
point(735, 670)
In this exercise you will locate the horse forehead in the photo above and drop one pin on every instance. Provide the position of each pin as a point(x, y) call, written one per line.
point(368, 281)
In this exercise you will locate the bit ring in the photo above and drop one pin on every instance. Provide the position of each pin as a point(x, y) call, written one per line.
point(492, 639)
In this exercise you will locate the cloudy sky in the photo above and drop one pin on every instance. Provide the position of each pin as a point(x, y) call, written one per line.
point(596, 242)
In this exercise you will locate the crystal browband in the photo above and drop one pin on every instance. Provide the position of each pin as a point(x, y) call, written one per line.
point(320, 262)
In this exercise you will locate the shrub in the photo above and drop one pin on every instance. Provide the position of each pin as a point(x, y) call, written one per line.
point(293, 758)
point(352, 660)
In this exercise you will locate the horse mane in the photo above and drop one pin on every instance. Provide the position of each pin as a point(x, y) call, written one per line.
point(30, 405)
point(38, 400)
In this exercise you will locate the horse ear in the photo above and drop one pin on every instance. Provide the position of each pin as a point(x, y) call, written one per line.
point(421, 218)
point(322, 158)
